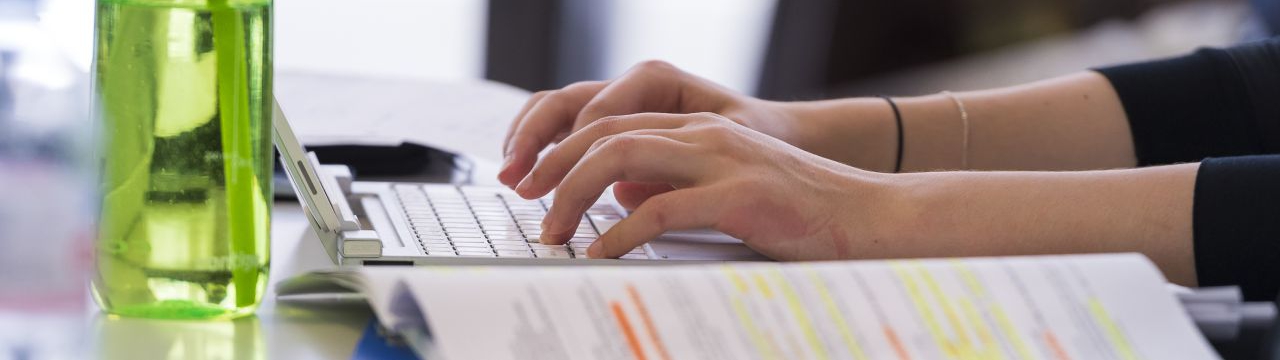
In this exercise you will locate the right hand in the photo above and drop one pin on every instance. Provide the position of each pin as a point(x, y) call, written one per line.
point(650, 87)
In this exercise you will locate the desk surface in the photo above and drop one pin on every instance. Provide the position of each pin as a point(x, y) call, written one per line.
point(281, 331)
point(277, 332)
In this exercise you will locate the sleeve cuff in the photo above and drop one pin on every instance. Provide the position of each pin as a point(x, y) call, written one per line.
point(1236, 224)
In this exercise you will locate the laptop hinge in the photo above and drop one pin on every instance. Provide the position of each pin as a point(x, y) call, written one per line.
point(332, 177)
point(361, 243)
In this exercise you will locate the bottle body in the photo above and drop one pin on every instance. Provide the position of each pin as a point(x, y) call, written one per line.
point(182, 97)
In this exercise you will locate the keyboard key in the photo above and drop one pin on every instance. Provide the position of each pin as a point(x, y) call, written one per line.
point(501, 233)
point(634, 257)
point(515, 253)
point(475, 253)
point(431, 249)
point(470, 242)
point(441, 242)
point(507, 237)
point(508, 246)
point(548, 247)
point(605, 222)
point(553, 253)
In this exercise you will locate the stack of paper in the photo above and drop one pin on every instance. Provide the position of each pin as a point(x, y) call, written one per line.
point(1050, 307)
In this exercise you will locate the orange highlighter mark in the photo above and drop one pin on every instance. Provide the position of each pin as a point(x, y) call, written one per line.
point(627, 331)
point(1058, 352)
point(897, 343)
point(648, 323)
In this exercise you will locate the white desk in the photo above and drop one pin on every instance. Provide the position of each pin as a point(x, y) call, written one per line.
point(292, 331)
point(277, 332)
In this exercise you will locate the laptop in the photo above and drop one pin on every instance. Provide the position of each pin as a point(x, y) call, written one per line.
point(401, 223)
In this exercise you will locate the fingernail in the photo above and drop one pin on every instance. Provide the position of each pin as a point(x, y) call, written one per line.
point(524, 185)
point(595, 251)
point(506, 163)
point(502, 174)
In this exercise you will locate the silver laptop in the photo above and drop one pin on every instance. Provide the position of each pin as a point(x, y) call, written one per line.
point(395, 223)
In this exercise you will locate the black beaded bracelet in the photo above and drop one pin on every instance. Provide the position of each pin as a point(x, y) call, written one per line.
point(897, 119)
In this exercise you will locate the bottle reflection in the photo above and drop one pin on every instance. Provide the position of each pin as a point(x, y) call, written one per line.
point(130, 338)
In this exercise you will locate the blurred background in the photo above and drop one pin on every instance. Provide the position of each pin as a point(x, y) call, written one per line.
point(776, 49)
point(780, 49)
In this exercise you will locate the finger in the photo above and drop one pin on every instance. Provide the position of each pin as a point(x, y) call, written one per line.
point(639, 158)
point(630, 194)
point(651, 86)
point(681, 209)
point(515, 123)
point(552, 168)
point(553, 114)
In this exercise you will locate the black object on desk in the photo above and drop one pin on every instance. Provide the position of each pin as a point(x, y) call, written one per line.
point(376, 161)
point(404, 162)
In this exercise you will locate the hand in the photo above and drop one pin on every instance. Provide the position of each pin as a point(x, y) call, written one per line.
point(781, 201)
point(652, 86)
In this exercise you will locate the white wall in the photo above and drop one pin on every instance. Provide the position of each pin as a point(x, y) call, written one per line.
point(435, 39)
point(723, 40)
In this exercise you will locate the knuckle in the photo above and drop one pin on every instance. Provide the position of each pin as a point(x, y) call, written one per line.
point(620, 144)
point(655, 66)
point(607, 124)
point(539, 95)
point(555, 96)
point(713, 118)
point(580, 84)
point(596, 145)
point(660, 208)
point(717, 134)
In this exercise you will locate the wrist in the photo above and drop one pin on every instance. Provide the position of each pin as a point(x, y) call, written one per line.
point(858, 132)
point(877, 213)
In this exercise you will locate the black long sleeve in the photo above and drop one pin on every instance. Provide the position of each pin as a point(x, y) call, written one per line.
point(1217, 106)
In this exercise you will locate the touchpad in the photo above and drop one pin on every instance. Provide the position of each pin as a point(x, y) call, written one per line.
point(703, 245)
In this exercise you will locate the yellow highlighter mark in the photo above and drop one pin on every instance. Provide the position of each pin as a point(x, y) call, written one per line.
point(922, 307)
point(1000, 317)
point(963, 345)
point(1118, 340)
point(828, 302)
point(989, 349)
point(1006, 327)
point(767, 348)
point(800, 314)
point(763, 285)
point(762, 343)
point(737, 280)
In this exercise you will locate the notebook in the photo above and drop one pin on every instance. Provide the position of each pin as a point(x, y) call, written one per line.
point(1107, 306)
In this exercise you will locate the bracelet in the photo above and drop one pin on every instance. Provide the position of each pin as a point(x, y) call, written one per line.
point(964, 121)
point(897, 119)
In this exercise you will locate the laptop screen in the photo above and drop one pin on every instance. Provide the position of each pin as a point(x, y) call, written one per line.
point(301, 170)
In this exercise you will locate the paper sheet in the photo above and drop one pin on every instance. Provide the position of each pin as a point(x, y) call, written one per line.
point(468, 118)
point(1077, 307)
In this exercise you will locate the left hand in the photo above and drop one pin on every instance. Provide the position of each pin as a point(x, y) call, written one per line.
point(705, 171)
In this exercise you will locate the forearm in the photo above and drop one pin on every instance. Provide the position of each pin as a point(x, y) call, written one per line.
point(1074, 122)
point(1144, 210)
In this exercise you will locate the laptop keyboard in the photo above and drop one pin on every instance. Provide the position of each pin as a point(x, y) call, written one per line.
point(494, 222)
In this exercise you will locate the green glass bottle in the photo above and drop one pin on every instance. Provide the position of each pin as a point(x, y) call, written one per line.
point(182, 96)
